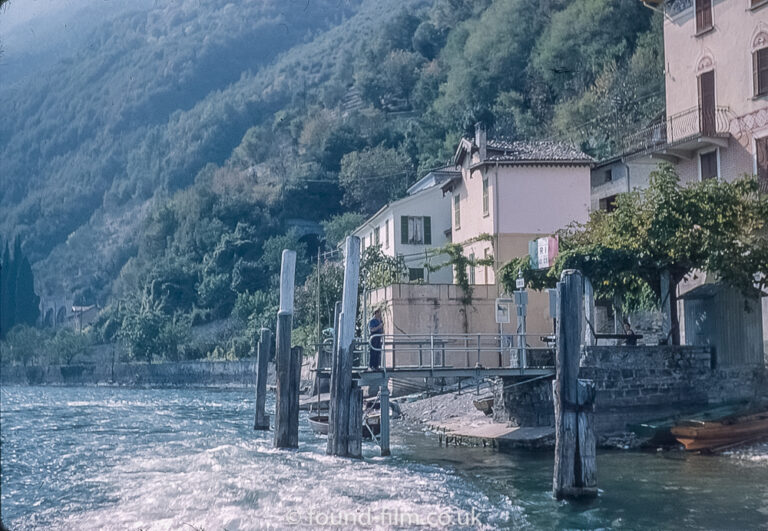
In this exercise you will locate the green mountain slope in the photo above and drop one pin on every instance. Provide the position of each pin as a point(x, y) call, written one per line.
point(182, 129)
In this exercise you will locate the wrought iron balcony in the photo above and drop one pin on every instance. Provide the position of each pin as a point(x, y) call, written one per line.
point(687, 125)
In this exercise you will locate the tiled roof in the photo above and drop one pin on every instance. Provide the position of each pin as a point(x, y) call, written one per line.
point(504, 150)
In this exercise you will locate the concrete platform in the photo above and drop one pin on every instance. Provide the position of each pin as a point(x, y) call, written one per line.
point(492, 434)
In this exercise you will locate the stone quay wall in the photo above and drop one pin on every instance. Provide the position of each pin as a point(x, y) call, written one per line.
point(635, 384)
point(239, 373)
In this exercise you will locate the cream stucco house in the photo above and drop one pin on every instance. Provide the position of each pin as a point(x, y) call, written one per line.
point(515, 192)
point(413, 227)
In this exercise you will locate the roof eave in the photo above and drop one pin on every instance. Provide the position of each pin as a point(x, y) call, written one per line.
point(570, 162)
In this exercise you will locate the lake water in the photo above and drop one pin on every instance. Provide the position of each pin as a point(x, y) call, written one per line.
point(114, 458)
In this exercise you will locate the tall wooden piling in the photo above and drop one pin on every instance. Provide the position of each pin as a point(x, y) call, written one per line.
point(263, 352)
point(575, 473)
point(384, 432)
point(355, 419)
point(286, 361)
point(333, 381)
point(589, 313)
point(339, 429)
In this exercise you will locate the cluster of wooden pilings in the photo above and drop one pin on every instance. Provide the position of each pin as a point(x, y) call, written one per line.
point(346, 405)
point(575, 473)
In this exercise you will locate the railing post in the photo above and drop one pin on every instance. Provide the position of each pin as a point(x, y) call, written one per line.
point(432, 351)
point(466, 349)
point(478, 350)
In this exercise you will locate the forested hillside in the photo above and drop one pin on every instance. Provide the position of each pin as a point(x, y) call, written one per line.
point(160, 163)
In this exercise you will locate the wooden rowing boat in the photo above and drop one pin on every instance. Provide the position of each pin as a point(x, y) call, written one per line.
point(723, 433)
point(319, 424)
point(485, 404)
point(657, 432)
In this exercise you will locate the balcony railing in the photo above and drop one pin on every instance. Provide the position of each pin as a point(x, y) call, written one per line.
point(691, 123)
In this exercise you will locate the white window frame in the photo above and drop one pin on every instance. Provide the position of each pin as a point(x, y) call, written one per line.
point(457, 211)
point(418, 223)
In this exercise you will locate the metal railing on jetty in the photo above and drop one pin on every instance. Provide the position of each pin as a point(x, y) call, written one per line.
point(458, 354)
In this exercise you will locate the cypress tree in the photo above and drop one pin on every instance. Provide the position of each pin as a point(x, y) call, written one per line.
point(27, 301)
point(8, 292)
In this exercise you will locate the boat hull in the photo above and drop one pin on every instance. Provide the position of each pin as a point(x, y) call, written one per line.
point(319, 425)
point(723, 433)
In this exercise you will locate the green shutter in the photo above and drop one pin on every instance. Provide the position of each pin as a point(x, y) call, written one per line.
point(404, 229)
point(533, 252)
point(427, 230)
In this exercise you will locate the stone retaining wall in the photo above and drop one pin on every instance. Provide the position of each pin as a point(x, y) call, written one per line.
point(240, 373)
point(635, 384)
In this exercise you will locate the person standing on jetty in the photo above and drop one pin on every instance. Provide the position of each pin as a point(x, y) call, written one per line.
point(375, 327)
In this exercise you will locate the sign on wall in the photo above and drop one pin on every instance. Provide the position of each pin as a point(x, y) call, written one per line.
point(543, 252)
point(502, 311)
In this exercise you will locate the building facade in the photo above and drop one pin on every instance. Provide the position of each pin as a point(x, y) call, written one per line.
point(716, 90)
point(413, 228)
point(515, 192)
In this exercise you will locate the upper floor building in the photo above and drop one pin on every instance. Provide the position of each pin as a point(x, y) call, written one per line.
point(716, 83)
point(414, 227)
point(514, 192)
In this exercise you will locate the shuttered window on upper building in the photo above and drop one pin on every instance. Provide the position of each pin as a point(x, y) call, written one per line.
point(761, 145)
point(760, 71)
point(703, 15)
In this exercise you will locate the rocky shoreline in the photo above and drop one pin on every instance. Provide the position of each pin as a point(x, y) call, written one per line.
point(455, 418)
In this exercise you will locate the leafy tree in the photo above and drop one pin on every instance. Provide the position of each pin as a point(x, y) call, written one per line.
point(713, 226)
point(373, 177)
point(23, 345)
point(68, 344)
point(339, 227)
point(378, 269)
point(428, 40)
point(331, 285)
point(583, 37)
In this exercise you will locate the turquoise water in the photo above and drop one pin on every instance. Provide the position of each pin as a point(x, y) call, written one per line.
point(113, 458)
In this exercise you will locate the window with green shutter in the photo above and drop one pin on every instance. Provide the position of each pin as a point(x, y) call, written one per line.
point(415, 230)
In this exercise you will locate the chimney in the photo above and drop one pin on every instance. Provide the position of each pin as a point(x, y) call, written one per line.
point(481, 140)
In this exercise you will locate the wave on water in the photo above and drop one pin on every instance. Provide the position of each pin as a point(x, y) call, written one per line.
point(754, 453)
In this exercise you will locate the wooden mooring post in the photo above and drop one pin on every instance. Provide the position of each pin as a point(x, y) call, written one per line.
point(575, 474)
point(345, 415)
point(384, 432)
point(263, 350)
point(287, 361)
